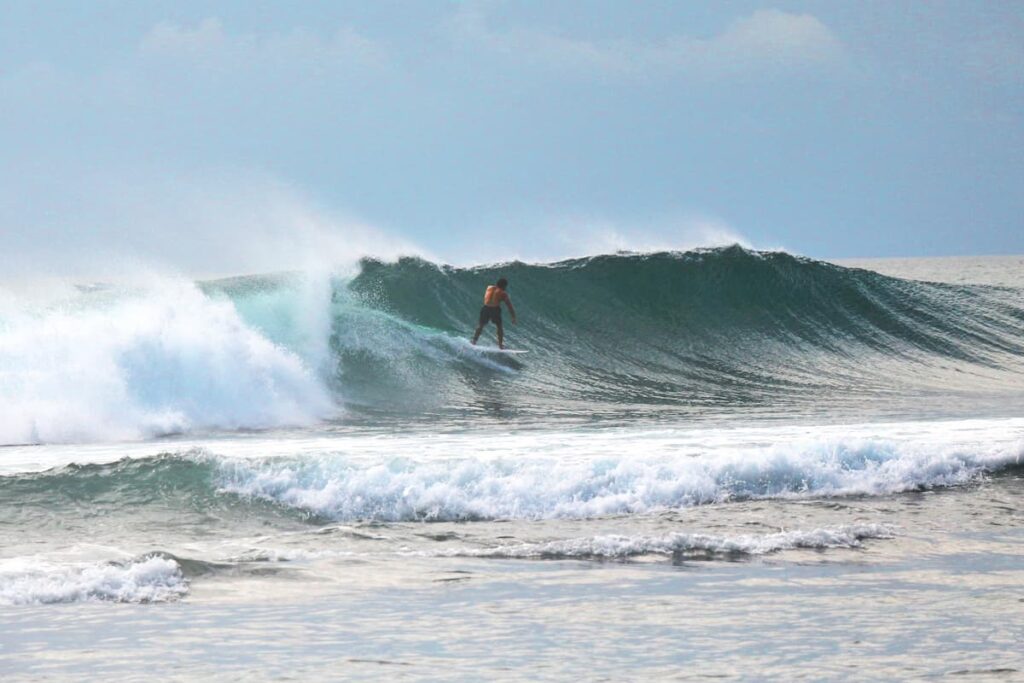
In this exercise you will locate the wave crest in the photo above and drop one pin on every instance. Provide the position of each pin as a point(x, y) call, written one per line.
point(618, 547)
point(153, 578)
point(456, 489)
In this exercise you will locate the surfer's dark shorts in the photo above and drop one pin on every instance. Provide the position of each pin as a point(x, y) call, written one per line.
point(490, 314)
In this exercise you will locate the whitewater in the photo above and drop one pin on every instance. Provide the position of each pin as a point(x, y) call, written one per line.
point(708, 459)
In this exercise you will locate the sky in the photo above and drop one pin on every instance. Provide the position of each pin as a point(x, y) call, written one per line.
point(236, 136)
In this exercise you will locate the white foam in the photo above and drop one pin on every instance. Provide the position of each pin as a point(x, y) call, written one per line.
point(25, 581)
point(288, 555)
point(133, 365)
point(610, 546)
point(618, 476)
point(615, 546)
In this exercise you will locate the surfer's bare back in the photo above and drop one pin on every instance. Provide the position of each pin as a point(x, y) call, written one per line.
point(491, 311)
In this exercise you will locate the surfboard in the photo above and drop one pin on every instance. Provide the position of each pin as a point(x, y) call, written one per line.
point(492, 349)
point(465, 344)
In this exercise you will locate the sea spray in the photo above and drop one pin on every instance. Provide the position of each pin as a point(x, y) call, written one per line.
point(135, 364)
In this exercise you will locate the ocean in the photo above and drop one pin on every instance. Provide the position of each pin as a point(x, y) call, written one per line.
point(721, 463)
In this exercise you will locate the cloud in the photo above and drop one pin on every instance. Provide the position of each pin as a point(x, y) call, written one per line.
point(209, 44)
point(767, 40)
point(773, 35)
point(165, 38)
point(171, 64)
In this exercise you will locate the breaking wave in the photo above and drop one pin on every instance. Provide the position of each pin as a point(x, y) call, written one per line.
point(715, 331)
point(26, 581)
point(646, 476)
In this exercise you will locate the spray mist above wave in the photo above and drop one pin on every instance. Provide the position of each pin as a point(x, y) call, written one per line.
point(213, 220)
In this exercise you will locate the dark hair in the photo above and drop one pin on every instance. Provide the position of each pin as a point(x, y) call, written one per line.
point(502, 283)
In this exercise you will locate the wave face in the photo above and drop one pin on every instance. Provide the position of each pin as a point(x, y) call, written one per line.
point(705, 333)
point(709, 330)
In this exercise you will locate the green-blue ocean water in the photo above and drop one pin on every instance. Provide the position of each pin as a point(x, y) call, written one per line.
point(718, 463)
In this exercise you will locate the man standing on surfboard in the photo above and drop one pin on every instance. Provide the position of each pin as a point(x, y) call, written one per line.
point(491, 311)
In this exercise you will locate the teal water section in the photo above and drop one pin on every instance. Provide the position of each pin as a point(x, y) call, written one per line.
point(706, 331)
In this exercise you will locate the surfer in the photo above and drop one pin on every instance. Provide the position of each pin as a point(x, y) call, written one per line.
point(491, 311)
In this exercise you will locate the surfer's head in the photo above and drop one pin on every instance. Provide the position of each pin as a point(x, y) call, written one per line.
point(502, 283)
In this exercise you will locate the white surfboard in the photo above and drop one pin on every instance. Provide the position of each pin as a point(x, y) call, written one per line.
point(494, 349)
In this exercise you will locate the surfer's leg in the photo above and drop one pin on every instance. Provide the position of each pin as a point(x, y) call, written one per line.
point(501, 334)
point(484, 317)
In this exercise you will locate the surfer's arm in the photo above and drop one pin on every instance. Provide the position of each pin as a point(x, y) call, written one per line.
point(511, 308)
